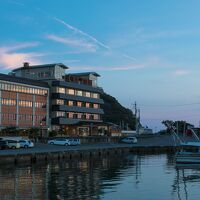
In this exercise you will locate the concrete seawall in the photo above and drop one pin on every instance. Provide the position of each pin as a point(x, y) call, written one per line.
point(81, 154)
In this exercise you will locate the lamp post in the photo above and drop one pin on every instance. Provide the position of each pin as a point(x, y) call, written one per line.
point(91, 129)
point(41, 130)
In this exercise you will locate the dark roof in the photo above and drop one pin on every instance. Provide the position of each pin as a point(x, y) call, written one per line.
point(14, 79)
point(41, 66)
point(84, 74)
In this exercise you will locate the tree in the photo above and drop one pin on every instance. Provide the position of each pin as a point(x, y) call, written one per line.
point(53, 133)
point(34, 132)
point(10, 131)
point(181, 125)
point(114, 112)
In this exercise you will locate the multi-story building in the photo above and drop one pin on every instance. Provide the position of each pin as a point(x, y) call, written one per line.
point(75, 103)
point(24, 103)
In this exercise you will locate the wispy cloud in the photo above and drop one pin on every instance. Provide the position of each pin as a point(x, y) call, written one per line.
point(76, 30)
point(16, 2)
point(110, 68)
point(91, 38)
point(18, 46)
point(10, 59)
point(180, 72)
point(73, 42)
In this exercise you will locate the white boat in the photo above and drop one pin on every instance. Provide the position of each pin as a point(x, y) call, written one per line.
point(189, 153)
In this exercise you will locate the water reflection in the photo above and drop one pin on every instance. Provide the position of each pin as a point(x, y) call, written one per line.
point(187, 176)
point(127, 177)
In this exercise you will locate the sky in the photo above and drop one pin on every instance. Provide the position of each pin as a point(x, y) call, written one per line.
point(145, 51)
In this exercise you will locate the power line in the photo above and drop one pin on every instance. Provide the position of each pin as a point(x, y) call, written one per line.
point(170, 105)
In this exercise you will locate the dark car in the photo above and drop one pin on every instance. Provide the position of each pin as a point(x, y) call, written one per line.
point(3, 144)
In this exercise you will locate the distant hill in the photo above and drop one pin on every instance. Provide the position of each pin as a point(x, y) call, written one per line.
point(114, 112)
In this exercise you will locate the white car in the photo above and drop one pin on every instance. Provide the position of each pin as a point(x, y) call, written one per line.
point(129, 140)
point(26, 143)
point(12, 144)
point(64, 141)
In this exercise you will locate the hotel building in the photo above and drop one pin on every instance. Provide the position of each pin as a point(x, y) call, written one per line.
point(75, 103)
point(24, 103)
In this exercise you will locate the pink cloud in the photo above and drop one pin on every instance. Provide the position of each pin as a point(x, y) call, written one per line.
point(10, 59)
point(13, 60)
point(88, 46)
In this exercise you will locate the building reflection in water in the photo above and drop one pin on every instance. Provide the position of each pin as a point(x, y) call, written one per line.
point(84, 179)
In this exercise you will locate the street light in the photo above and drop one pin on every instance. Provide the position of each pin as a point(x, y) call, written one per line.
point(41, 129)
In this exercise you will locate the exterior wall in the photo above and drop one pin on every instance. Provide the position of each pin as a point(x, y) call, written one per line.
point(42, 73)
point(74, 103)
point(21, 109)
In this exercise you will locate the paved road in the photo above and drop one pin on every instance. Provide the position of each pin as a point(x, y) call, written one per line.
point(163, 141)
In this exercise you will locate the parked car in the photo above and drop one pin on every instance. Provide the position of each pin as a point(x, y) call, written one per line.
point(26, 143)
point(12, 144)
point(129, 140)
point(3, 144)
point(64, 141)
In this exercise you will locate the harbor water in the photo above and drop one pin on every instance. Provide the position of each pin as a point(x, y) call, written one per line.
point(124, 177)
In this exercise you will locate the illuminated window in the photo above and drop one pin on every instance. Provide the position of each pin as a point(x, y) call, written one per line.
point(87, 105)
point(70, 114)
point(95, 95)
point(79, 93)
point(79, 115)
point(79, 104)
point(61, 90)
point(87, 94)
point(95, 105)
point(71, 91)
point(70, 103)
point(60, 114)
point(59, 101)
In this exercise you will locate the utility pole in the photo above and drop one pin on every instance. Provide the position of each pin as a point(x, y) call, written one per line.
point(136, 118)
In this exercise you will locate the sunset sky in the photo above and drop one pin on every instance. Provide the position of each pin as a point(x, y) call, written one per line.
point(145, 51)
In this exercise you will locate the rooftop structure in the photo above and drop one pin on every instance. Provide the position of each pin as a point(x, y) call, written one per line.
point(41, 72)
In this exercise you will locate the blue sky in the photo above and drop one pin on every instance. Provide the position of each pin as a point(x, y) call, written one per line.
point(146, 51)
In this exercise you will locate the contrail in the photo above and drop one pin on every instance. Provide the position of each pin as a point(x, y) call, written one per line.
point(76, 30)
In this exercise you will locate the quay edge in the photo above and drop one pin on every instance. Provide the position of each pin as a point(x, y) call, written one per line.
point(82, 154)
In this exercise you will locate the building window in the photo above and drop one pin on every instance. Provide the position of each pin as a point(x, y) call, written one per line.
point(8, 102)
point(79, 93)
point(95, 105)
point(59, 101)
point(75, 116)
point(79, 104)
point(83, 116)
point(87, 94)
point(61, 90)
point(70, 114)
point(95, 95)
point(79, 115)
point(87, 116)
point(91, 117)
point(87, 105)
point(60, 114)
point(70, 103)
point(25, 103)
point(96, 117)
point(71, 91)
